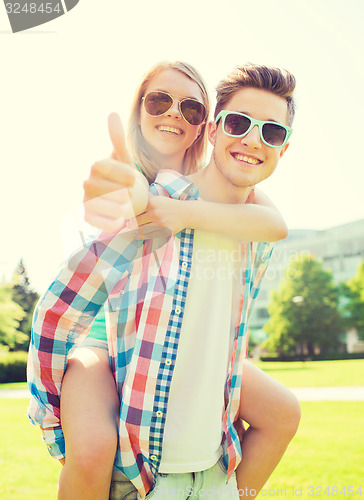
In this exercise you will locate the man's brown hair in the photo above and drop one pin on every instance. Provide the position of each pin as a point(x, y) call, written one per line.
point(278, 81)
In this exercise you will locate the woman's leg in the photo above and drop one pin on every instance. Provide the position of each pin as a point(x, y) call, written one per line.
point(89, 417)
point(273, 414)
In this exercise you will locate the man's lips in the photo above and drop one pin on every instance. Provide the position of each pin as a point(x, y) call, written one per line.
point(170, 129)
point(251, 160)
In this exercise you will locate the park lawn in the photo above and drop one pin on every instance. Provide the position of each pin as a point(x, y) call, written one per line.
point(27, 471)
point(328, 450)
point(14, 385)
point(348, 372)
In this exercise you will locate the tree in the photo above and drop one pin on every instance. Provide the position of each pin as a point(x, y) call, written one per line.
point(10, 316)
point(353, 299)
point(303, 311)
point(23, 295)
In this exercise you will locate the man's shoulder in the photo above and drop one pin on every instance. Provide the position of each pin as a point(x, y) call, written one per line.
point(174, 184)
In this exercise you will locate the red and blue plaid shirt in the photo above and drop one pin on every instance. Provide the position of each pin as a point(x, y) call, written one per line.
point(143, 285)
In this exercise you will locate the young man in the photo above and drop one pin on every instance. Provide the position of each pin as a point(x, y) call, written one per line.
point(177, 307)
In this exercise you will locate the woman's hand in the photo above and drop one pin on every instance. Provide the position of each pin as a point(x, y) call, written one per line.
point(164, 212)
point(115, 190)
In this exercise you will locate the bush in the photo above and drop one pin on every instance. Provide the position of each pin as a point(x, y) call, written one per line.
point(334, 356)
point(13, 366)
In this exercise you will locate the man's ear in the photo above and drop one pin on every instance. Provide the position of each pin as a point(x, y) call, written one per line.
point(211, 132)
point(283, 150)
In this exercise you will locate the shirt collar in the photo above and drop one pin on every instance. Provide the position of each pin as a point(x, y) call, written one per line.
point(178, 186)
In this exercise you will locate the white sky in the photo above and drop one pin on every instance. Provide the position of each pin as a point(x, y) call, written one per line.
point(59, 82)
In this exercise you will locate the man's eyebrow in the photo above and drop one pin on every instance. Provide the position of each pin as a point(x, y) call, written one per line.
point(267, 120)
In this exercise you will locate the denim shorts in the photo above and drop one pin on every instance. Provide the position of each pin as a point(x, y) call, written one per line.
point(209, 483)
point(121, 488)
point(93, 342)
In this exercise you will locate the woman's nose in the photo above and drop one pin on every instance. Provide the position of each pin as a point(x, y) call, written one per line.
point(174, 110)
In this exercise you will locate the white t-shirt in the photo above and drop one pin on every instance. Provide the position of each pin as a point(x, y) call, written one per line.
point(192, 434)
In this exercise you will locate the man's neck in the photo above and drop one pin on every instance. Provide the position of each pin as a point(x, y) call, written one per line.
point(214, 187)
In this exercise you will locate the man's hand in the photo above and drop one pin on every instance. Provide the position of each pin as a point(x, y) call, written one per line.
point(115, 190)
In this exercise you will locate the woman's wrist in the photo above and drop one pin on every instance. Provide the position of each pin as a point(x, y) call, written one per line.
point(138, 193)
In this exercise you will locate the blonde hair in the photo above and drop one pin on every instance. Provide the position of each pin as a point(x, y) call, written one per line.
point(278, 81)
point(195, 154)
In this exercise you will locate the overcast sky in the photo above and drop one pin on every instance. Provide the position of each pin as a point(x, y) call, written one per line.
point(61, 80)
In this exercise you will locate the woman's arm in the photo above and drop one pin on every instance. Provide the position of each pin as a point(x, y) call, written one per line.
point(114, 190)
point(257, 220)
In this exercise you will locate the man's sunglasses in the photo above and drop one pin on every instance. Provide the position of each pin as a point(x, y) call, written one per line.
point(158, 103)
point(236, 124)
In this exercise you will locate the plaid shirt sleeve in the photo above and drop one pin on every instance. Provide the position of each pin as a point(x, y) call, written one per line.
point(261, 254)
point(62, 317)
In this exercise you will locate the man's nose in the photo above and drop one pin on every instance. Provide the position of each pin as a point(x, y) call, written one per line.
point(252, 139)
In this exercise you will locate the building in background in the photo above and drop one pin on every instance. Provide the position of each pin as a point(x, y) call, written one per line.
point(340, 249)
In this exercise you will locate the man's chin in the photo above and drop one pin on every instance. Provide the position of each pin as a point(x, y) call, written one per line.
point(243, 182)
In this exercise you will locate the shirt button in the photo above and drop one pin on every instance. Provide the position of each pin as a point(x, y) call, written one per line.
point(168, 362)
point(153, 457)
point(191, 190)
point(159, 413)
point(184, 264)
point(178, 310)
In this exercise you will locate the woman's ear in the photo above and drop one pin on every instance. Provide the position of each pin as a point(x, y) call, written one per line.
point(200, 128)
point(211, 132)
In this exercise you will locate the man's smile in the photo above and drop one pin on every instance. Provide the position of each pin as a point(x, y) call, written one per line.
point(246, 158)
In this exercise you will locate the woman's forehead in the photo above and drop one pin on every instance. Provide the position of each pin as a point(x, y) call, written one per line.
point(175, 83)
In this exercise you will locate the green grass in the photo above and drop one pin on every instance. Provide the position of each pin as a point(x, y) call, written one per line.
point(26, 469)
point(328, 450)
point(14, 385)
point(316, 373)
point(299, 374)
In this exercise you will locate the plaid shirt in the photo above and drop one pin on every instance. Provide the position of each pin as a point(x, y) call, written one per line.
point(144, 285)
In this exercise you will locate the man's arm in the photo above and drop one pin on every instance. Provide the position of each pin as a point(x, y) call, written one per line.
point(258, 220)
point(116, 191)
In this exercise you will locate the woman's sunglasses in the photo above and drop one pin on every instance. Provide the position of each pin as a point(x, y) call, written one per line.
point(236, 124)
point(158, 103)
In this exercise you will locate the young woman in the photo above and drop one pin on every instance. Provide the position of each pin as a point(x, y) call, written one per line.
point(167, 130)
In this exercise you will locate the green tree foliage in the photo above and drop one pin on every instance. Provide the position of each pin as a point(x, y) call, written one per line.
point(304, 315)
point(11, 315)
point(23, 295)
point(353, 299)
